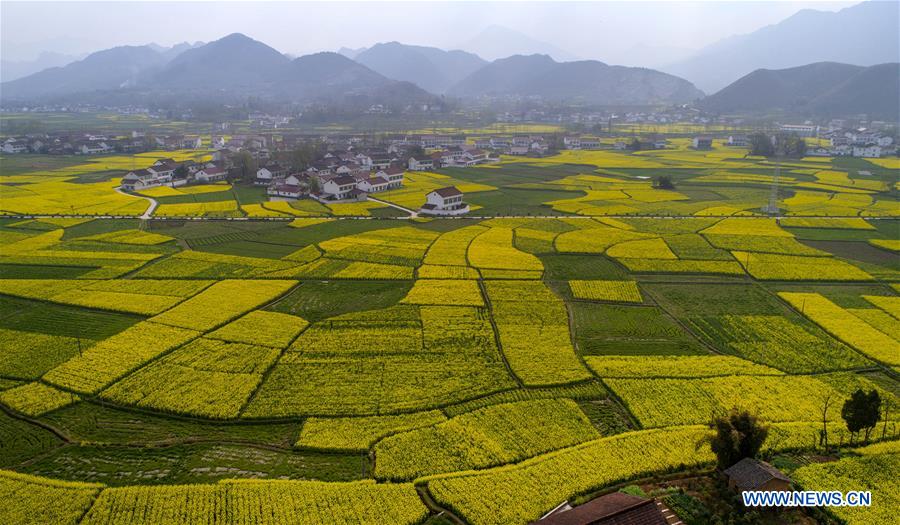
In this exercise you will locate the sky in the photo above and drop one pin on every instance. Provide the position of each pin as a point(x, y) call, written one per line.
point(615, 32)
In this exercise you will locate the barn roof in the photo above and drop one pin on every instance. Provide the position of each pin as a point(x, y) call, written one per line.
point(617, 508)
point(751, 474)
point(449, 191)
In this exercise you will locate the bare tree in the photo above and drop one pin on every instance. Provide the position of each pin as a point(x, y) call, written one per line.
point(824, 437)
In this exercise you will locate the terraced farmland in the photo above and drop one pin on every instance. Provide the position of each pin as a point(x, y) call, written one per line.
point(370, 370)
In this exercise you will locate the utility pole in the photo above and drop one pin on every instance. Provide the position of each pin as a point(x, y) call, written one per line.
point(772, 207)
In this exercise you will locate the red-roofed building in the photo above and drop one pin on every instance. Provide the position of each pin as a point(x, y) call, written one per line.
point(617, 508)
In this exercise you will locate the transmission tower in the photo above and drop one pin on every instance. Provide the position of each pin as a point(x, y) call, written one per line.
point(772, 208)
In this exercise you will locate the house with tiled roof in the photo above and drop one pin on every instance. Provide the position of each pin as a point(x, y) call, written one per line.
point(617, 508)
point(374, 185)
point(753, 474)
point(423, 163)
point(213, 174)
point(393, 175)
point(142, 179)
point(444, 202)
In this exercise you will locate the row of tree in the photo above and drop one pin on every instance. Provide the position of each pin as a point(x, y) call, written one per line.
point(780, 145)
point(740, 434)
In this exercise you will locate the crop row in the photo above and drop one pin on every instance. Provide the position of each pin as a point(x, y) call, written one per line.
point(533, 327)
point(483, 438)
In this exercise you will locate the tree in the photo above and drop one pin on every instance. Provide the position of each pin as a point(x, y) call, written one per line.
point(664, 182)
point(792, 146)
point(302, 156)
point(862, 412)
point(738, 435)
point(314, 185)
point(824, 433)
point(761, 144)
point(777, 145)
point(245, 164)
point(415, 151)
point(635, 144)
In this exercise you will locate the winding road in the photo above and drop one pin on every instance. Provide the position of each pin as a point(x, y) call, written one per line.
point(412, 214)
point(150, 209)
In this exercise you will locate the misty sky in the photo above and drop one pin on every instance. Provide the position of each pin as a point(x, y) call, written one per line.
point(608, 31)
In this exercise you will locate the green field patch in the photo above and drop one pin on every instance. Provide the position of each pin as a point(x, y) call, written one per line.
point(55, 319)
point(98, 424)
point(317, 300)
point(22, 440)
point(29, 271)
point(200, 463)
point(602, 329)
point(565, 267)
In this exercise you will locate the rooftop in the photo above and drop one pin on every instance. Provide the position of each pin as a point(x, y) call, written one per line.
point(617, 508)
point(751, 474)
point(449, 191)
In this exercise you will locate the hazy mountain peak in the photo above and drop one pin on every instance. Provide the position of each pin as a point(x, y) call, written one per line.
point(864, 34)
point(430, 68)
point(497, 41)
point(818, 89)
point(581, 81)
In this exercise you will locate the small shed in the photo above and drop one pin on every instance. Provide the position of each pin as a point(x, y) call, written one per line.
point(617, 508)
point(753, 474)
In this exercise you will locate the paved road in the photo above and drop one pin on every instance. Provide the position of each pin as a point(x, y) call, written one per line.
point(150, 209)
point(412, 213)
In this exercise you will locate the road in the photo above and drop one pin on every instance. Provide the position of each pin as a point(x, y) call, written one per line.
point(150, 209)
point(412, 214)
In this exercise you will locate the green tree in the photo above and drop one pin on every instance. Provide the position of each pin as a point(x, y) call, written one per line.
point(761, 144)
point(862, 412)
point(738, 435)
point(415, 151)
point(245, 164)
point(792, 146)
point(314, 185)
point(664, 182)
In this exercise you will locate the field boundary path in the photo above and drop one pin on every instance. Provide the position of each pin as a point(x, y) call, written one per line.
point(148, 213)
point(412, 213)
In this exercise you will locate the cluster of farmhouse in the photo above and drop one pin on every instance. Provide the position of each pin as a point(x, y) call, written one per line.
point(96, 144)
point(167, 172)
point(336, 177)
point(859, 142)
point(846, 142)
point(348, 176)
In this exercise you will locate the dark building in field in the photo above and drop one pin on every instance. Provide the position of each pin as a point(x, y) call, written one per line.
point(753, 474)
point(617, 508)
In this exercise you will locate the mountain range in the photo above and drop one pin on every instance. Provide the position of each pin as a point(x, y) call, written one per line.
point(430, 68)
point(864, 34)
point(584, 81)
point(228, 68)
point(495, 42)
point(14, 69)
point(813, 63)
point(824, 88)
point(391, 73)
